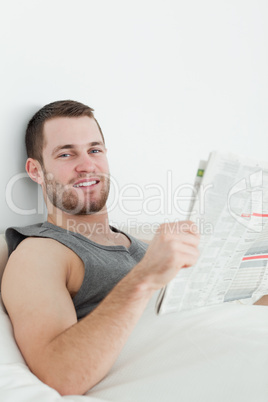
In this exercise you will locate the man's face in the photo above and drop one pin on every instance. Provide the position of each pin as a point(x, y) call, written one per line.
point(76, 172)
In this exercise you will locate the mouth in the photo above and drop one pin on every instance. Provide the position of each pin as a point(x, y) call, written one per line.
point(86, 183)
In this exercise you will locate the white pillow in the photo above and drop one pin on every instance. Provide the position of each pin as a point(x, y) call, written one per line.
point(8, 348)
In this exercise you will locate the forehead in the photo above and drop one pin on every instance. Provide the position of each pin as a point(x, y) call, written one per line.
point(70, 130)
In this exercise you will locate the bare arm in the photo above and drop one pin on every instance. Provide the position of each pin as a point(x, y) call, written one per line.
point(73, 356)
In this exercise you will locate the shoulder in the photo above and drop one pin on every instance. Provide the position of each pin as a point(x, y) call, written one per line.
point(42, 248)
point(36, 256)
point(33, 255)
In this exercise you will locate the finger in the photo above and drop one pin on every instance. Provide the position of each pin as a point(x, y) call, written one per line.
point(189, 260)
point(185, 250)
point(189, 226)
point(189, 238)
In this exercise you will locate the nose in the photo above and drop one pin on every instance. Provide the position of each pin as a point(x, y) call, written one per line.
point(84, 163)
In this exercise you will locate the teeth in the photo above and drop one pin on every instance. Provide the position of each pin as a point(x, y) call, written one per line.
point(86, 184)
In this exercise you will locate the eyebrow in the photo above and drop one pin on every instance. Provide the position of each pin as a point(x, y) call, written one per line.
point(72, 146)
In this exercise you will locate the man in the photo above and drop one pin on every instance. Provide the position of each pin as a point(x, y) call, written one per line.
point(75, 292)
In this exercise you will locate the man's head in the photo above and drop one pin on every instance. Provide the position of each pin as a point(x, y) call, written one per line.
point(67, 157)
point(34, 138)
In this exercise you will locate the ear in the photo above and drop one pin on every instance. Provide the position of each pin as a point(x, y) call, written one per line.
point(34, 170)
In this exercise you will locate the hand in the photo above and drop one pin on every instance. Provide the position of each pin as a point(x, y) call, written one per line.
point(174, 246)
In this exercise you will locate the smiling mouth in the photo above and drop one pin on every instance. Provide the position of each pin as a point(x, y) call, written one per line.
point(86, 183)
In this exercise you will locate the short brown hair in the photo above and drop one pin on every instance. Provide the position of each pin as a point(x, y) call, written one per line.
point(34, 139)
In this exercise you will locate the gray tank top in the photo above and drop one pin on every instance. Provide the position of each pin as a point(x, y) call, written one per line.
point(104, 266)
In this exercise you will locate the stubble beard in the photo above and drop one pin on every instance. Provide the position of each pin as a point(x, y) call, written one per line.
point(66, 198)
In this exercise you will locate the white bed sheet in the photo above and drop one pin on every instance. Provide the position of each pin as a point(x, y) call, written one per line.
point(215, 354)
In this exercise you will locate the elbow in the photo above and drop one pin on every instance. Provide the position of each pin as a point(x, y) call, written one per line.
point(66, 376)
point(66, 385)
point(67, 382)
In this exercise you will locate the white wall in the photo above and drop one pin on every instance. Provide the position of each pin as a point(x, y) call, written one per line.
point(170, 80)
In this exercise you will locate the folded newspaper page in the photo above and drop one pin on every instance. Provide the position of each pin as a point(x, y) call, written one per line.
point(230, 208)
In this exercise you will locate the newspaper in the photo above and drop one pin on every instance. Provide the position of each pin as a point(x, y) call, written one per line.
point(230, 208)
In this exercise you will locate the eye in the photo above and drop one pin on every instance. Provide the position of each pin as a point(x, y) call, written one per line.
point(64, 156)
point(95, 151)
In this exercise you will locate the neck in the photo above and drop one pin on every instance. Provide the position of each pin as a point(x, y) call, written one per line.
point(86, 225)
